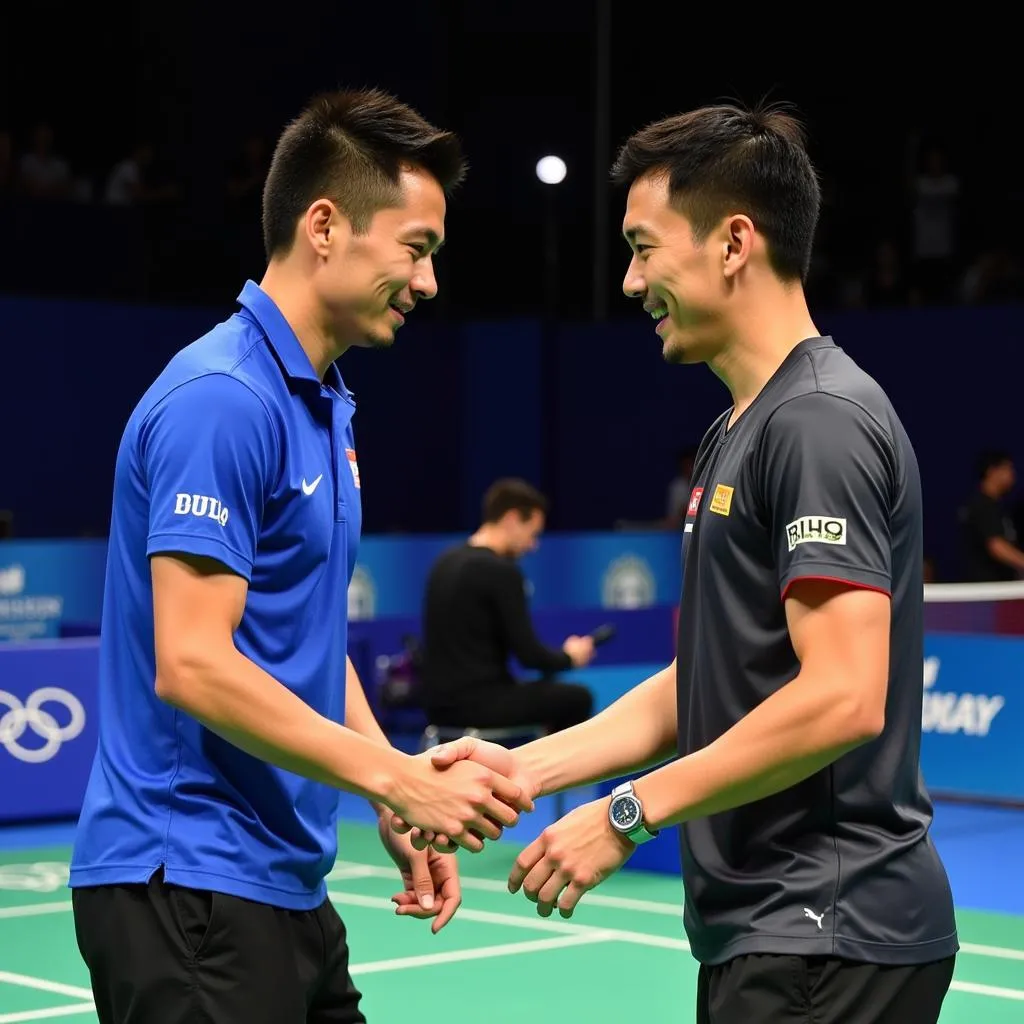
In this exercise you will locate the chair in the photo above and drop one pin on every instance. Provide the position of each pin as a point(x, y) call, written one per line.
point(434, 734)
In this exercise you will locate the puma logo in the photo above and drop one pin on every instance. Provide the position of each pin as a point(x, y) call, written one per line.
point(813, 916)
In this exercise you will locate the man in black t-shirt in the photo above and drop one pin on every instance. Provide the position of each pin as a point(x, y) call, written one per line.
point(989, 537)
point(476, 619)
point(791, 717)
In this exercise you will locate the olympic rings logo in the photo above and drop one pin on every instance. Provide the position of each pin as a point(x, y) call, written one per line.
point(18, 717)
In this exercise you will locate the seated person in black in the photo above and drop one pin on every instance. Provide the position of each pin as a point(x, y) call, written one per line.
point(475, 618)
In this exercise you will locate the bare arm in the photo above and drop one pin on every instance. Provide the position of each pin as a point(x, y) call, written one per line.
point(197, 606)
point(1003, 551)
point(359, 716)
point(835, 703)
point(637, 731)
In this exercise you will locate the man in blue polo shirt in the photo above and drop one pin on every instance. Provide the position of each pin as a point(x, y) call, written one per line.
point(230, 715)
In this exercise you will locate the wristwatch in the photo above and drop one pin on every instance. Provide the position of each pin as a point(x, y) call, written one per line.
point(626, 814)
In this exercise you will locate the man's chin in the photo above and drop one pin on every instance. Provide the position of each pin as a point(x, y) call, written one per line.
point(377, 339)
point(673, 352)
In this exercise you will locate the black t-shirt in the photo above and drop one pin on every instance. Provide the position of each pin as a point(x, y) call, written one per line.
point(816, 479)
point(475, 619)
point(981, 519)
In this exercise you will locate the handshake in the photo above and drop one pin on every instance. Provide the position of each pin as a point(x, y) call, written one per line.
point(477, 789)
point(460, 794)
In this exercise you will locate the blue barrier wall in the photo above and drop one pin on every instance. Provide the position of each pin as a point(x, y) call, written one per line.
point(48, 719)
point(973, 715)
point(592, 410)
point(50, 588)
point(53, 588)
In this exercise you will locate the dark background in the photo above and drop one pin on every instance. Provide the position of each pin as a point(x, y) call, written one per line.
point(483, 381)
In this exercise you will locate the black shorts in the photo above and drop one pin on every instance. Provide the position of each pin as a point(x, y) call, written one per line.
point(161, 954)
point(765, 989)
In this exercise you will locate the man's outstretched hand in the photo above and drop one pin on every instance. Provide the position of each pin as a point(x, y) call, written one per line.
point(492, 755)
point(430, 881)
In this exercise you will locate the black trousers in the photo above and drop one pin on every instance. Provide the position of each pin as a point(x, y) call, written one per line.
point(161, 954)
point(820, 990)
point(556, 705)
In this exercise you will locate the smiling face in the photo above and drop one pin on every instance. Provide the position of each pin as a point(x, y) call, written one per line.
point(680, 281)
point(368, 282)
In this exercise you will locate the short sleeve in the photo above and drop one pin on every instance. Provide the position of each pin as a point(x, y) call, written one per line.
point(827, 477)
point(207, 453)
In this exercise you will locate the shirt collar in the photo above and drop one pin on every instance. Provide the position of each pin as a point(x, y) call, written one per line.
point(282, 338)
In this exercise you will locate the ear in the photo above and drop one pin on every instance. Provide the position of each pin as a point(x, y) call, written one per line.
point(737, 243)
point(324, 226)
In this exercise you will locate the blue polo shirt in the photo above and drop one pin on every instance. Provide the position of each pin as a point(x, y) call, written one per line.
point(239, 452)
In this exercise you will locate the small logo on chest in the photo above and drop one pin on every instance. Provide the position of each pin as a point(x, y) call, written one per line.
point(721, 500)
point(310, 488)
point(691, 509)
point(353, 465)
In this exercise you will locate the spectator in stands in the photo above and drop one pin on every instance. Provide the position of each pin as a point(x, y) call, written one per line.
point(996, 275)
point(936, 196)
point(131, 181)
point(990, 549)
point(475, 617)
point(45, 174)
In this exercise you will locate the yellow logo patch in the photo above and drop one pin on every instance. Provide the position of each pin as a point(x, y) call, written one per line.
point(722, 500)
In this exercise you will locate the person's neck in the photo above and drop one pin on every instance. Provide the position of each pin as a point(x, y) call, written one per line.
point(763, 336)
point(289, 288)
point(488, 536)
point(992, 491)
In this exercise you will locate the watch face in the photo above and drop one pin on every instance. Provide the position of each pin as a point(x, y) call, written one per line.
point(625, 812)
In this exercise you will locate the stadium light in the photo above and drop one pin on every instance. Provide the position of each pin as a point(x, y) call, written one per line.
point(551, 169)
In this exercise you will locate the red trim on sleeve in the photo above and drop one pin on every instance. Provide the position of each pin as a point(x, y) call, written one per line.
point(836, 579)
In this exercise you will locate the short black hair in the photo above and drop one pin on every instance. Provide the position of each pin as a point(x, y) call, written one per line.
point(512, 494)
point(723, 159)
point(350, 147)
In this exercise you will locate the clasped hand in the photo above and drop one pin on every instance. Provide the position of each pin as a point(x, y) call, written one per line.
point(566, 860)
point(461, 801)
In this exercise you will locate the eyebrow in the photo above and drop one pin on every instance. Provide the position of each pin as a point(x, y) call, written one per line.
point(631, 233)
point(434, 241)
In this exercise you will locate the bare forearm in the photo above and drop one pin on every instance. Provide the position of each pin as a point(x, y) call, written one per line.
point(799, 730)
point(359, 717)
point(236, 699)
point(1007, 553)
point(358, 713)
point(637, 731)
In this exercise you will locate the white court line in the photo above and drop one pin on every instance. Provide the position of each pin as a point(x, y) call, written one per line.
point(625, 903)
point(352, 870)
point(987, 990)
point(27, 981)
point(47, 1014)
point(344, 871)
point(34, 909)
point(581, 931)
point(595, 899)
point(997, 952)
point(480, 953)
point(541, 924)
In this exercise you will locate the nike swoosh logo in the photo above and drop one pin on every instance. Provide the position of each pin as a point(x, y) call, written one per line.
point(310, 488)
